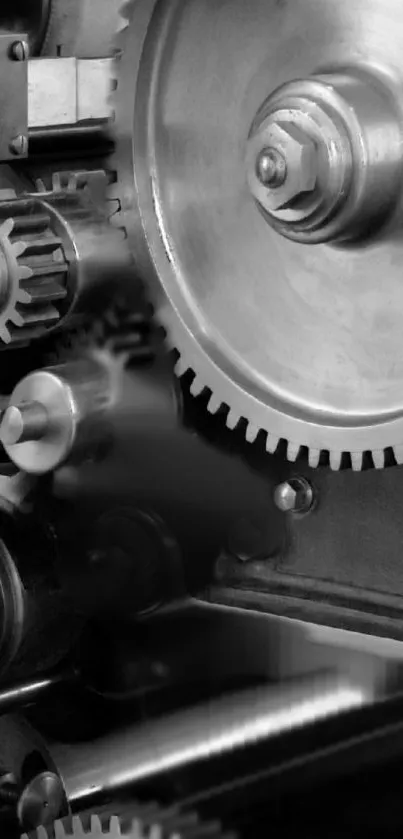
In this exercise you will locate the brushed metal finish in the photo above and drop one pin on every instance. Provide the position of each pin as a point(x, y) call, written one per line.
point(220, 727)
point(304, 342)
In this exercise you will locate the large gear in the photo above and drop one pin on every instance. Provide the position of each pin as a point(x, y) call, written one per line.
point(142, 822)
point(298, 341)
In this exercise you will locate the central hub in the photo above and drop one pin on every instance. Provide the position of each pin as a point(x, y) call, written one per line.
point(324, 156)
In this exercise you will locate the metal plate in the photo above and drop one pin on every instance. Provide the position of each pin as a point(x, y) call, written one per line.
point(13, 98)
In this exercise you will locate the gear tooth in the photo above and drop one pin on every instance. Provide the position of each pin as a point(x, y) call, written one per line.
point(232, 419)
point(251, 432)
point(181, 367)
point(59, 830)
point(19, 248)
point(16, 318)
point(356, 461)
point(24, 297)
point(25, 272)
point(72, 182)
point(214, 404)
point(156, 832)
point(378, 458)
point(5, 335)
point(398, 453)
point(7, 227)
point(56, 182)
point(136, 831)
point(335, 460)
point(314, 457)
point(40, 185)
point(77, 826)
point(197, 387)
point(114, 826)
point(42, 833)
point(293, 450)
point(271, 443)
point(96, 826)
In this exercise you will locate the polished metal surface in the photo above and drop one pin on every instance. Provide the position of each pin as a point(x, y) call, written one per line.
point(217, 728)
point(55, 413)
point(303, 342)
point(340, 137)
point(27, 692)
point(13, 98)
point(67, 91)
point(41, 802)
point(27, 421)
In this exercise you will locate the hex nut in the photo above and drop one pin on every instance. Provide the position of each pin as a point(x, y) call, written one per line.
point(299, 152)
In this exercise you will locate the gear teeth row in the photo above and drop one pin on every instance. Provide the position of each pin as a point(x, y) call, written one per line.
point(357, 461)
point(147, 822)
point(33, 274)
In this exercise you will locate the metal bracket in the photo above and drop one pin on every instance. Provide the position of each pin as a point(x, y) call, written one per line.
point(13, 97)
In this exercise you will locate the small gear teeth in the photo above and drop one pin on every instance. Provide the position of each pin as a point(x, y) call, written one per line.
point(180, 367)
point(271, 443)
point(335, 459)
point(197, 387)
point(33, 271)
point(356, 461)
point(378, 458)
point(214, 404)
point(233, 419)
point(251, 432)
point(293, 450)
point(398, 453)
point(314, 457)
point(147, 823)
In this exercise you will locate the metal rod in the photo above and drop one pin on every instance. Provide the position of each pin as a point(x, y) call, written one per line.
point(212, 730)
point(26, 692)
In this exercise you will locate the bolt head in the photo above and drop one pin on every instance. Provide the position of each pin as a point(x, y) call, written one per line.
point(299, 153)
point(271, 168)
point(19, 145)
point(20, 51)
point(294, 496)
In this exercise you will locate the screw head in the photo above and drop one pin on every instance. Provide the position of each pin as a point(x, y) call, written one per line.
point(19, 145)
point(271, 167)
point(20, 50)
point(294, 496)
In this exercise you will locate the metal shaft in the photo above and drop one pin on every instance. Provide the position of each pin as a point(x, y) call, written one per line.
point(212, 730)
point(26, 692)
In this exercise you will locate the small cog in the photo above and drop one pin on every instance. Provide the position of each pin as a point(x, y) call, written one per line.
point(11, 276)
point(32, 277)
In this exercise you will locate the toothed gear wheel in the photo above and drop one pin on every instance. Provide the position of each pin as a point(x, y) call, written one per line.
point(33, 273)
point(143, 822)
point(301, 342)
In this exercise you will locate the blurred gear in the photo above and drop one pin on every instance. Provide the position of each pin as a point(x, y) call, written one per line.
point(140, 822)
point(81, 28)
point(123, 331)
point(299, 342)
point(33, 273)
